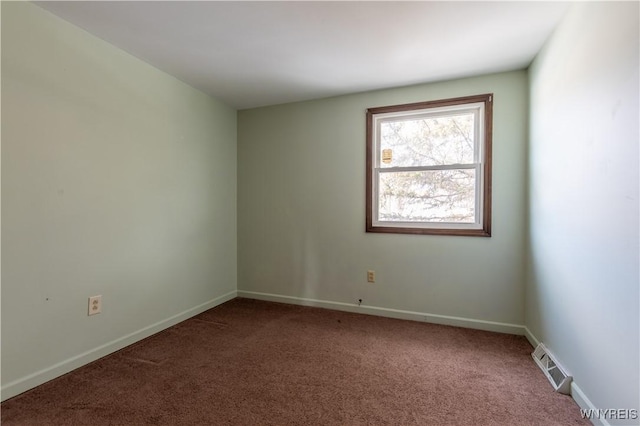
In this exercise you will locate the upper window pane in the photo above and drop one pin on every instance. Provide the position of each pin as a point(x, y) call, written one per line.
point(428, 141)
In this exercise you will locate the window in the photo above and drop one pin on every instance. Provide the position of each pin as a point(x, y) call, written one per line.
point(429, 167)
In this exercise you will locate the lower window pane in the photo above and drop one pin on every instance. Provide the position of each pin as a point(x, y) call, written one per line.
point(427, 196)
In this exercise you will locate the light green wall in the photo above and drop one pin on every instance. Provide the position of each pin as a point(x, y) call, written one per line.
point(583, 281)
point(117, 179)
point(301, 210)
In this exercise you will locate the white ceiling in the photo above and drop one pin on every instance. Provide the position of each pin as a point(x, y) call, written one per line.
point(251, 54)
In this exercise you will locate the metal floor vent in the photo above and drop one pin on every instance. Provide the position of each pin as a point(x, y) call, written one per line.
point(554, 372)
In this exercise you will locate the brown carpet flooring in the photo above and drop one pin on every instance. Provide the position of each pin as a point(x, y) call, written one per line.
point(250, 362)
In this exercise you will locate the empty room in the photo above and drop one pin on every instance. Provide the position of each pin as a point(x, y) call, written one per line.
point(320, 213)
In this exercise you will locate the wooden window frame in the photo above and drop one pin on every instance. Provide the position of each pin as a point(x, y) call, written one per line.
point(484, 228)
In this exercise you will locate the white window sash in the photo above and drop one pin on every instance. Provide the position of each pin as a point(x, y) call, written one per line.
point(479, 159)
point(477, 224)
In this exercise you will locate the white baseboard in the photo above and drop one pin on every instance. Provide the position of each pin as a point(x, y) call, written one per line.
point(31, 381)
point(584, 403)
point(576, 393)
point(530, 337)
point(499, 327)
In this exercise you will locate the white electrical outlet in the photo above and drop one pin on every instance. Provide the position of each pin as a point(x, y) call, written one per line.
point(95, 305)
point(371, 276)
